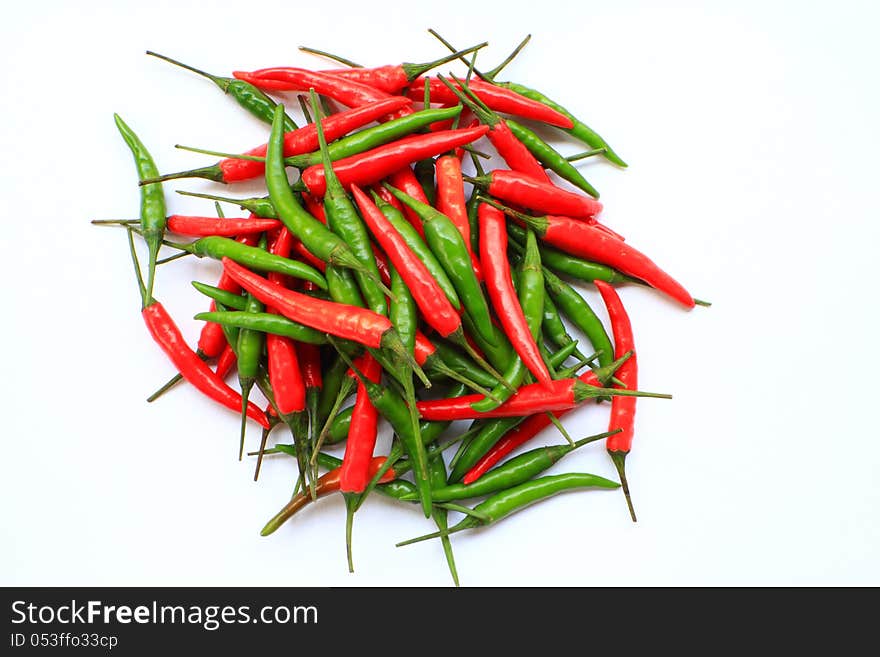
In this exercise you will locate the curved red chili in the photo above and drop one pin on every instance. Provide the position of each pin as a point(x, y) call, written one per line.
point(350, 322)
point(305, 139)
point(191, 367)
point(496, 270)
point(623, 409)
point(355, 470)
point(372, 166)
point(497, 98)
point(431, 300)
point(405, 180)
point(524, 191)
point(225, 362)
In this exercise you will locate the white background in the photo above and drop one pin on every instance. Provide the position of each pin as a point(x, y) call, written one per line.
point(751, 130)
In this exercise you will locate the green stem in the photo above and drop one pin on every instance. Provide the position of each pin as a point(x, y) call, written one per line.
point(619, 460)
point(220, 82)
point(335, 58)
point(491, 75)
point(586, 154)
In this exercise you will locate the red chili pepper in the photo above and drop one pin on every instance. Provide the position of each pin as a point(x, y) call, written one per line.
point(430, 299)
point(206, 226)
point(524, 191)
point(497, 98)
point(305, 139)
point(590, 242)
point(347, 92)
point(191, 367)
point(309, 356)
point(212, 340)
point(354, 475)
point(284, 372)
point(496, 269)
point(519, 435)
point(382, 266)
point(350, 322)
point(558, 395)
point(306, 256)
point(374, 165)
point(451, 201)
point(315, 207)
point(225, 362)
point(623, 409)
point(405, 180)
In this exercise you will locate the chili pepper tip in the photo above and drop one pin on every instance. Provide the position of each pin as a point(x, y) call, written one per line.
point(698, 302)
point(619, 460)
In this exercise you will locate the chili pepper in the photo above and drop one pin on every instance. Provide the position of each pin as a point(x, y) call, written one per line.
point(251, 256)
point(463, 365)
point(622, 414)
point(343, 287)
point(166, 334)
point(495, 430)
point(402, 312)
point(451, 202)
point(498, 98)
point(339, 427)
point(405, 180)
point(550, 157)
point(343, 219)
point(564, 263)
point(152, 199)
point(392, 78)
point(326, 484)
point(521, 432)
point(374, 165)
point(286, 78)
point(437, 471)
point(448, 245)
point(316, 237)
point(361, 436)
point(425, 290)
point(258, 206)
point(424, 173)
point(516, 471)
point(225, 362)
point(394, 409)
point(248, 350)
point(509, 147)
point(267, 323)
point(501, 505)
point(522, 190)
point(530, 292)
point(296, 143)
point(246, 95)
point(209, 226)
point(310, 365)
point(415, 244)
point(553, 328)
point(493, 250)
point(558, 395)
point(581, 315)
point(333, 378)
point(584, 240)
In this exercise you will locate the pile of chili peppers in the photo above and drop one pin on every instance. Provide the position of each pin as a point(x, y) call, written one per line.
point(386, 271)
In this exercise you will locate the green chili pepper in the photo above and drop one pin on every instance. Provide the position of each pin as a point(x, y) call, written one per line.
point(250, 349)
point(344, 220)
point(152, 200)
point(332, 379)
point(369, 138)
point(260, 206)
point(550, 158)
point(553, 327)
point(501, 505)
point(316, 237)
point(228, 299)
point(581, 315)
point(403, 312)
point(437, 470)
point(447, 244)
point(514, 472)
point(343, 287)
point(339, 427)
point(563, 263)
point(245, 94)
point(463, 365)
point(251, 257)
point(580, 130)
point(265, 323)
point(414, 241)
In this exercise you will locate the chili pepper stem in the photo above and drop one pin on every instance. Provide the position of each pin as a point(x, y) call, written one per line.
point(619, 460)
point(556, 423)
point(342, 395)
point(415, 70)
point(586, 154)
point(491, 75)
point(220, 82)
point(173, 381)
point(700, 302)
point(434, 33)
point(428, 537)
point(330, 56)
point(115, 222)
point(455, 376)
point(393, 342)
point(145, 300)
point(213, 173)
point(176, 256)
point(245, 393)
point(350, 508)
point(263, 438)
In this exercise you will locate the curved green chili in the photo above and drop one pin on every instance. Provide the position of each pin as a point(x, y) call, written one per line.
point(249, 350)
point(554, 329)
point(550, 158)
point(265, 323)
point(229, 299)
point(403, 312)
point(152, 199)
